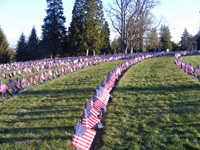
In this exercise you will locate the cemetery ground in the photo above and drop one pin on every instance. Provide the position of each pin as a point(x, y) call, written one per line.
point(155, 106)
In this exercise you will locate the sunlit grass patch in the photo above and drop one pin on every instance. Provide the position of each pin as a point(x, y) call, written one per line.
point(155, 106)
point(44, 117)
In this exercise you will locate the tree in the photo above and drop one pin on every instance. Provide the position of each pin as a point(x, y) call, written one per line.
point(32, 47)
point(21, 50)
point(131, 19)
point(5, 55)
point(187, 41)
point(198, 41)
point(165, 38)
point(153, 41)
point(106, 47)
point(86, 27)
point(116, 44)
point(175, 47)
point(53, 30)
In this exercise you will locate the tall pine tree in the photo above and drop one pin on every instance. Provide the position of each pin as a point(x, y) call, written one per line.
point(32, 47)
point(85, 28)
point(21, 50)
point(76, 29)
point(106, 47)
point(53, 30)
point(188, 41)
point(5, 55)
point(165, 38)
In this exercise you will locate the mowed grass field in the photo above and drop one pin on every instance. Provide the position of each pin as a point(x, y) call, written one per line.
point(193, 59)
point(44, 117)
point(155, 106)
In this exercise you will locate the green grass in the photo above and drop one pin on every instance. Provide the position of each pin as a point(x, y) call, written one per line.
point(44, 117)
point(155, 106)
point(194, 59)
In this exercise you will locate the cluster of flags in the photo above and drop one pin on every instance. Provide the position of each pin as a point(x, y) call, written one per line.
point(45, 70)
point(92, 115)
point(187, 67)
point(48, 69)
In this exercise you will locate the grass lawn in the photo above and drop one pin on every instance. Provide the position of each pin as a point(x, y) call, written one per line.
point(44, 117)
point(155, 106)
point(194, 59)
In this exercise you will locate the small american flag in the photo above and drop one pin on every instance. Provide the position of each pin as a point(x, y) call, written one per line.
point(30, 79)
point(90, 114)
point(3, 87)
point(17, 82)
point(11, 84)
point(83, 137)
point(96, 102)
point(36, 77)
point(24, 81)
point(197, 69)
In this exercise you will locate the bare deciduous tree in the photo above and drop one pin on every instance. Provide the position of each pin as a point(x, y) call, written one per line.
point(131, 19)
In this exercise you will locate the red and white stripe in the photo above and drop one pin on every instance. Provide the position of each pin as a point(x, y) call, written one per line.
point(85, 142)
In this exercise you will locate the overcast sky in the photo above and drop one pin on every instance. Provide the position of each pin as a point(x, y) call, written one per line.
point(17, 16)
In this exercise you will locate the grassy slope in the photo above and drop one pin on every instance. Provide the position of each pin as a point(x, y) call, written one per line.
point(44, 117)
point(194, 59)
point(155, 106)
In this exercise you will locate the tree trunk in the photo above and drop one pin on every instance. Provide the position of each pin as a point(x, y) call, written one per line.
point(131, 49)
point(93, 53)
point(87, 51)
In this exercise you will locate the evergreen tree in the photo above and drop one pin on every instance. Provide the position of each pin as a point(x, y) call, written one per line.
point(187, 41)
point(53, 30)
point(198, 41)
point(184, 39)
point(21, 50)
point(5, 55)
point(86, 26)
point(175, 47)
point(76, 29)
point(33, 51)
point(106, 47)
point(165, 38)
point(153, 41)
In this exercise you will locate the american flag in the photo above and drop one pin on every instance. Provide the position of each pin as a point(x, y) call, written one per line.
point(90, 114)
point(3, 87)
point(19, 72)
point(25, 69)
point(42, 77)
point(46, 73)
point(111, 76)
point(24, 81)
point(36, 77)
point(17, 82)
point(13, 73)
point(50, 72)
point(96, 102)
point(83, 137)
point(3, 74)
point(30, 79)
point(197, 69)
point(11, 84)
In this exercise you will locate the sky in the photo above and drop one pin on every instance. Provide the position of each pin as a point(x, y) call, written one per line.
point(17, 16)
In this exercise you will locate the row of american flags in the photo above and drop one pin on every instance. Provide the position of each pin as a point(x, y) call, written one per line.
point(21, 75)
point(84, 132)
point(17, 76)
point(187, 67)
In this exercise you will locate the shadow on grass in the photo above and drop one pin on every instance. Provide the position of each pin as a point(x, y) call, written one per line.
point(172, 88)
point(51, 106)
point(8, 140)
